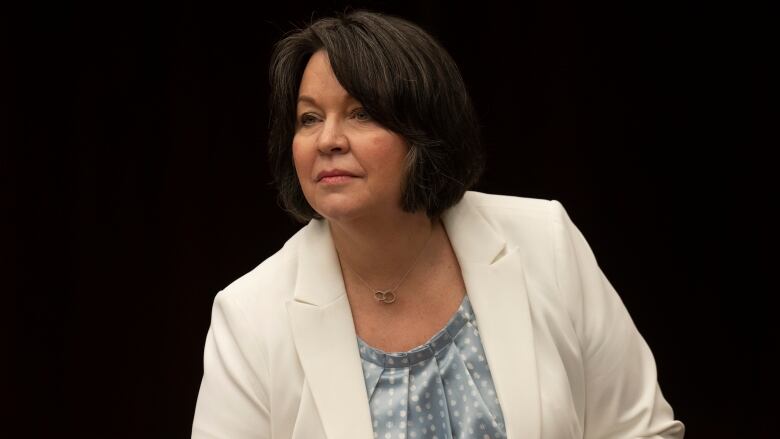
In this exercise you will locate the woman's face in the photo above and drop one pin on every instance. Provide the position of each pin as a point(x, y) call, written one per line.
point(348, 165)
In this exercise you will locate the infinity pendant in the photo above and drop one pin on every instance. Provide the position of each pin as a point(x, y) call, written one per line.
point(385, 296)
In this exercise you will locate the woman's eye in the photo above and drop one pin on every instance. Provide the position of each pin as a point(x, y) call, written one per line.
point(362, 114)
point(307, 119)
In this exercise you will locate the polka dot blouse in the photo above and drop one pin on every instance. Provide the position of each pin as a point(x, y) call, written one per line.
point(441, 389)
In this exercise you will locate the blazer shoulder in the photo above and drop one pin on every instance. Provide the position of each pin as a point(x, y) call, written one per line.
point(535, 226)
point(512, 214)
point(270, 283)
point(496, 204)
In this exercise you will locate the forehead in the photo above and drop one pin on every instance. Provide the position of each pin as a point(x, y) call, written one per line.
point(319, 84)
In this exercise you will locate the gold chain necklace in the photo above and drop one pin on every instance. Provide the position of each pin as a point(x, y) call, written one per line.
point(388, 296)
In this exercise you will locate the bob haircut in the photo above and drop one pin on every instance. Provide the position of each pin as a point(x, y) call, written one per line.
point(406, 81)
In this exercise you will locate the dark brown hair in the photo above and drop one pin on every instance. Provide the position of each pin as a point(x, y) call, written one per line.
point(406, 81)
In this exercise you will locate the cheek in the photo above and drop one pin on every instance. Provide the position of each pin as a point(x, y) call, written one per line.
point(389, 150)
point(394, 160)
point(299, 159)
point(303, 167)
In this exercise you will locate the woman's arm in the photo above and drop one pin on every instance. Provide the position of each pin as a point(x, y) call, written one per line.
point(231, 403)
point(623, 398)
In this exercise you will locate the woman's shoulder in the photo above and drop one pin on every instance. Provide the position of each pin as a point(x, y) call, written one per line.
point(537, 228)
point(515, 214)
point(269, 283)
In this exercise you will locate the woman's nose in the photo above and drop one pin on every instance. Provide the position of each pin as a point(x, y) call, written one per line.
point(332, 139)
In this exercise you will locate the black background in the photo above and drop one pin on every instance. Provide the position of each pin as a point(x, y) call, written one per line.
point(135, 186)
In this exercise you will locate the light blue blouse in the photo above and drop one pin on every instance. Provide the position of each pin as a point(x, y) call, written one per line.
point(441, 389)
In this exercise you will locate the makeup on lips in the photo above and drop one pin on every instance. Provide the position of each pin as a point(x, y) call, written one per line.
point(335, 176)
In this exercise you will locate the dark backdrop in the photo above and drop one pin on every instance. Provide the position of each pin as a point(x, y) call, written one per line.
point(135, 187)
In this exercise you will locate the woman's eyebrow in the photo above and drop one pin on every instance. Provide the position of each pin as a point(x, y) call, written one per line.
point(311, 100)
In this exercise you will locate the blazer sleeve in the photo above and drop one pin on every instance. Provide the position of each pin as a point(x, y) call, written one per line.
point(623, 398)
point(231, 402)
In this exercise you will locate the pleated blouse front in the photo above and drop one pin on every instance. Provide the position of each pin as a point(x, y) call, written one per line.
point(441, 389)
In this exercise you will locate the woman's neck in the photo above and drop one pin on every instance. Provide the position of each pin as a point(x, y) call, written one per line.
point(382, 249)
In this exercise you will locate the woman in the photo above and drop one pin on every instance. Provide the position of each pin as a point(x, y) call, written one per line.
point(408, 306)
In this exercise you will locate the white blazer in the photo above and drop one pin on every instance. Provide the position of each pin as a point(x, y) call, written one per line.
point(281, 357)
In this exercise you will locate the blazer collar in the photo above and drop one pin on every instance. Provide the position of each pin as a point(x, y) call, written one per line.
point(325, 337)
point(318, 281)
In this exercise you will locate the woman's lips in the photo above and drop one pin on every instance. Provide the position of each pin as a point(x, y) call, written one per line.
point(334, 176)
point(336, 179)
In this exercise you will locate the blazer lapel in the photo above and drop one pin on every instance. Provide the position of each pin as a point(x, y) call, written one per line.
point(325, 338)
point(495, 284)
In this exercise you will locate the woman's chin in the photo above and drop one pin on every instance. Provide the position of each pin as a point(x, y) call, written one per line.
point(350, 212)
point(342, 213)
point(341, 209)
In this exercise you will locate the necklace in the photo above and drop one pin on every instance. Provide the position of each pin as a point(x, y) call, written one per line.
point(388, 296)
